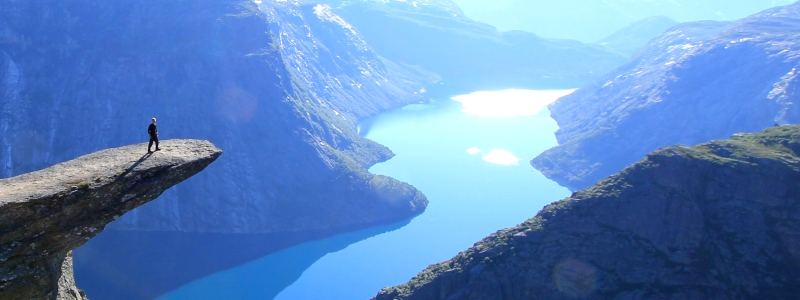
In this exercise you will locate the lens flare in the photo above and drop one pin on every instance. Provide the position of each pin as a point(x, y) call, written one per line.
point(236, 104)
point(575, 278)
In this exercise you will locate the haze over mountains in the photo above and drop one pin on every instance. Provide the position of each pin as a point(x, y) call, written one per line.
point(470, 55)
point(631, 38)
point(591, 20)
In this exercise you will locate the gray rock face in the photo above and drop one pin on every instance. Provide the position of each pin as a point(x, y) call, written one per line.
point(332, 64)
point(715, 221)
point(261, 81)
point(47, 213)
point(695, 83)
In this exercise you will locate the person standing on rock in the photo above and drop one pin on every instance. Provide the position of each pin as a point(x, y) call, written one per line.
point(153, 132)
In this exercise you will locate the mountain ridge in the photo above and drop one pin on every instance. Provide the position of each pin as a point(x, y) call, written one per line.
point(470, 55)
point(590, 20)
point(632, 37)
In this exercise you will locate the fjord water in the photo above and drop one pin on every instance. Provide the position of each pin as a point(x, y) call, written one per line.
point(470, 158)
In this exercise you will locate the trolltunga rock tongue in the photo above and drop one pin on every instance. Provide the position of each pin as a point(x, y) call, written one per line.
point(47, 213)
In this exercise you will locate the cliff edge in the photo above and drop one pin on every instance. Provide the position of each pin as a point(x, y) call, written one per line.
point(47, 213)
point(717, 221)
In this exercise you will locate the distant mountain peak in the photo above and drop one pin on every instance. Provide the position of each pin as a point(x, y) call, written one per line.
point(632, 37)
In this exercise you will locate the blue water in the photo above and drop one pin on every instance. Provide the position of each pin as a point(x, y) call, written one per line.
point(469, 199)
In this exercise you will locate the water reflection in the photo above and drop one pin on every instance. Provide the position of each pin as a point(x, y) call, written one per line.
point(474, 151)
point(501, 157)
point(146, 265)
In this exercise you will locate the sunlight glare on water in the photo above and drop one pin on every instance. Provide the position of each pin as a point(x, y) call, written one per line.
point(508, 103)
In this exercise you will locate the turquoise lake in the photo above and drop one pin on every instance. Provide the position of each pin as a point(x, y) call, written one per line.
point(469, 157)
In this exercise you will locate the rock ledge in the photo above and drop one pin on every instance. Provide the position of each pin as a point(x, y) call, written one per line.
point(47, 213)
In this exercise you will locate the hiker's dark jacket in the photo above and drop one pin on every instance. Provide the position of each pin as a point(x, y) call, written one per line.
point(152, 131)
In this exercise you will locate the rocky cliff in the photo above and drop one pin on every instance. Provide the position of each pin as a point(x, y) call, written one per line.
point(469, 55)
point(279, 85)
point(695, 83)
point(46, 214)
point(715, 221)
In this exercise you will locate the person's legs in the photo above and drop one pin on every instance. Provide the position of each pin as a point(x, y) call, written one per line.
point(157, 144)
point(151, 145)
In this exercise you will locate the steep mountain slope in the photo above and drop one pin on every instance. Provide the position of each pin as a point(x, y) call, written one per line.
point(695, 83)
point(435, 35)
point(715, 221)
point(79, 76)
point(636, 35)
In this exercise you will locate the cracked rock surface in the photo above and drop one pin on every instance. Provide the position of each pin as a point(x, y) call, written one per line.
point(47, 213)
